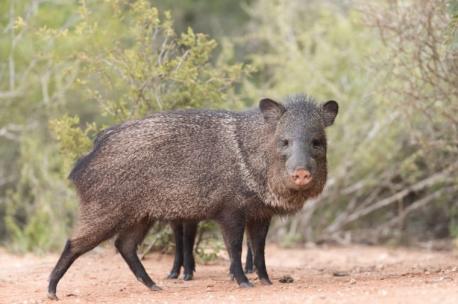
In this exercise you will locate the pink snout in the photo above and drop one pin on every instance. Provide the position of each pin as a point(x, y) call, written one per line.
point(301, 177)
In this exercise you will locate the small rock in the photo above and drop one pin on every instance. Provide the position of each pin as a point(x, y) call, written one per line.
point(340, 273)
point(352, 281)
point(286, 279)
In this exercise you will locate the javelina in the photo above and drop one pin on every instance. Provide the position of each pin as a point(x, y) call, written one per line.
point(185, 235)
point(191, 165)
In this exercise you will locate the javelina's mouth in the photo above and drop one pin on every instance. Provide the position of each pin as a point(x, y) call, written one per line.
point(300, 187)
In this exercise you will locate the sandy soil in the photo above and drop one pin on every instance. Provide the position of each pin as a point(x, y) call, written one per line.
point(321, 275)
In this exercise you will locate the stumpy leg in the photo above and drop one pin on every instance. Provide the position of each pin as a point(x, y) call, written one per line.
point(228, 249)
point(82, 242)
point(257, 230)
point(178, 261)
point(127, 242)
point(249, 258)
point(233, 226)
point(189, 236)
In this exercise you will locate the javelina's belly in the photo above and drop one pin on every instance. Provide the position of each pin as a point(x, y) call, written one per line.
point(185, 203)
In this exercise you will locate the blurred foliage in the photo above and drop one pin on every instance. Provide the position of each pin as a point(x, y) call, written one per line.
point(80, 75)
point(207, 247)
point(393, 149)
point(215, 18)
point(36, 204)
point(69, 69)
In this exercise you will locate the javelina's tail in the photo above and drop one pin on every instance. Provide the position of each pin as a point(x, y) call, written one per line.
point(84, 161)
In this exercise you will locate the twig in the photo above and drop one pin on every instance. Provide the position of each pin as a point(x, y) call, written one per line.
point(417, 205)
point(432, 180)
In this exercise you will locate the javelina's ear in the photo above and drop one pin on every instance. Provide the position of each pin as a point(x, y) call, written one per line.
point(271, 110)
point(330, 109)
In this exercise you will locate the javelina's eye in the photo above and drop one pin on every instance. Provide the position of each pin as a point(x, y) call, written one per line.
point(316, 143)
point(284, 143)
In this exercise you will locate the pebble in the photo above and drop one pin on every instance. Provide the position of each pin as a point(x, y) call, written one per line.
point(340, 273)
point(286, 279)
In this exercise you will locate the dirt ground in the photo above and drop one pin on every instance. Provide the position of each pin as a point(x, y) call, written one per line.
point(354, 274)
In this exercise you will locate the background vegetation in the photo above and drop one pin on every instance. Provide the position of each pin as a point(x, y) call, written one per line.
point(70, 68)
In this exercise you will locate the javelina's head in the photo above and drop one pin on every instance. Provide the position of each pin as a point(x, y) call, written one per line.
point(297, 151)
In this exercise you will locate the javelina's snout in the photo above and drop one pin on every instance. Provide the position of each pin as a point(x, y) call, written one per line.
point(301, 177)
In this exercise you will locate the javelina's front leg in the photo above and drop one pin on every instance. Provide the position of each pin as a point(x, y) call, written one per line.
point(257, 231)
point(189, 236)
point(233, 225)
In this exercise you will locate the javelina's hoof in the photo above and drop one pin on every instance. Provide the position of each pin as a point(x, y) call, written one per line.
point(173, 275)
point(265, 281)
point(52, 296)
point(155, 288)
point(188, 276)
point(246, 285)
point(249, 270)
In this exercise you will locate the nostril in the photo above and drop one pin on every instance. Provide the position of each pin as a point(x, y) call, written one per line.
point(301, 176)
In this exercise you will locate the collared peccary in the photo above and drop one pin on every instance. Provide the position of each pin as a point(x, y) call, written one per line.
point(191, 165)
point(185, 235)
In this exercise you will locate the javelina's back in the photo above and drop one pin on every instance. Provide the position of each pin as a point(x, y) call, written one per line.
point(164, 160)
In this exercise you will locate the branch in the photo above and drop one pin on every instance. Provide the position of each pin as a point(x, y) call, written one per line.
point(418, 204)
point(12, 131)
point(430, 181)
point(10, 94)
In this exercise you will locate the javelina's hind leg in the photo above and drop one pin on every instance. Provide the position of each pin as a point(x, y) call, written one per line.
point(177, 228)
point(127, 242)
point(249, 258)
point(257, 231)
point(233, 225)
point(81, 243)
point(189, 236)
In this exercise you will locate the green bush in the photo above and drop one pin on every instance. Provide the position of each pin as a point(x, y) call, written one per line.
point(97, 74)
point(392, 151)
point(69, 69)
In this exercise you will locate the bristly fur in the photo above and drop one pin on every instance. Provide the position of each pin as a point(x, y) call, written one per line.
point(189, 165)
